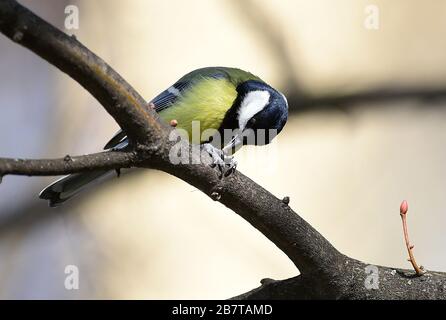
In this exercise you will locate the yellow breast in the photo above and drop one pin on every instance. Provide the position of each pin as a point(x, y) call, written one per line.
point(200, 110)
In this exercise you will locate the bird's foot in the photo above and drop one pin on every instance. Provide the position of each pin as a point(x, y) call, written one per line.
point(226, 164)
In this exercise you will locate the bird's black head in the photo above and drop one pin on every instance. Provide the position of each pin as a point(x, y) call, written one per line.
point(262, 112)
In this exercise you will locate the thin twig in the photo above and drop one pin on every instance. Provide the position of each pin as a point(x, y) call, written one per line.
point(403, 213)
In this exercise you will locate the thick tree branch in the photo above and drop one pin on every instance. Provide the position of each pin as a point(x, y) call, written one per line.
point(354, 280)
point(307, 248)
point(326, 273)
point(391, 284)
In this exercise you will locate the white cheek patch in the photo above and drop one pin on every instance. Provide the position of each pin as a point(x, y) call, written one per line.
point(252, 103)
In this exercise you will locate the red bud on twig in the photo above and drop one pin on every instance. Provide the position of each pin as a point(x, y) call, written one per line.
point(404, 207)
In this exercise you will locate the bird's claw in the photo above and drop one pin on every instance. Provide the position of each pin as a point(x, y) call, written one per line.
point(226, 164)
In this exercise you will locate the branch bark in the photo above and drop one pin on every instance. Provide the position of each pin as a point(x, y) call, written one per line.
point(393, 284)
point(325, 272)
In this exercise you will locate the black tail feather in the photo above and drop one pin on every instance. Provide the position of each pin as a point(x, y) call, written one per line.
point(68, 186)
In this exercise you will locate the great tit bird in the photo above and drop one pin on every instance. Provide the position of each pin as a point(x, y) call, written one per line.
point(218, 98)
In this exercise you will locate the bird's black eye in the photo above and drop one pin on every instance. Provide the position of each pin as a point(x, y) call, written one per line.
point(252, 122)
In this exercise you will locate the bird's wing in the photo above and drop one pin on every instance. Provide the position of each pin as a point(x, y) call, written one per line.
point(115, 140)
point(162, 101)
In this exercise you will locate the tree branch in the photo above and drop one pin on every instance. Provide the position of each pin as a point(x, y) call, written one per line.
point(326, 273)
point(392, 284)
point(307, 248)
point(48, 167)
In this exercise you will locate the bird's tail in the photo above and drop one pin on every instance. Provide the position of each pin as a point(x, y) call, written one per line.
point(63, 189)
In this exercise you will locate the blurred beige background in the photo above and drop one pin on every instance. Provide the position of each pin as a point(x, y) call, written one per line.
point(148, 235)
